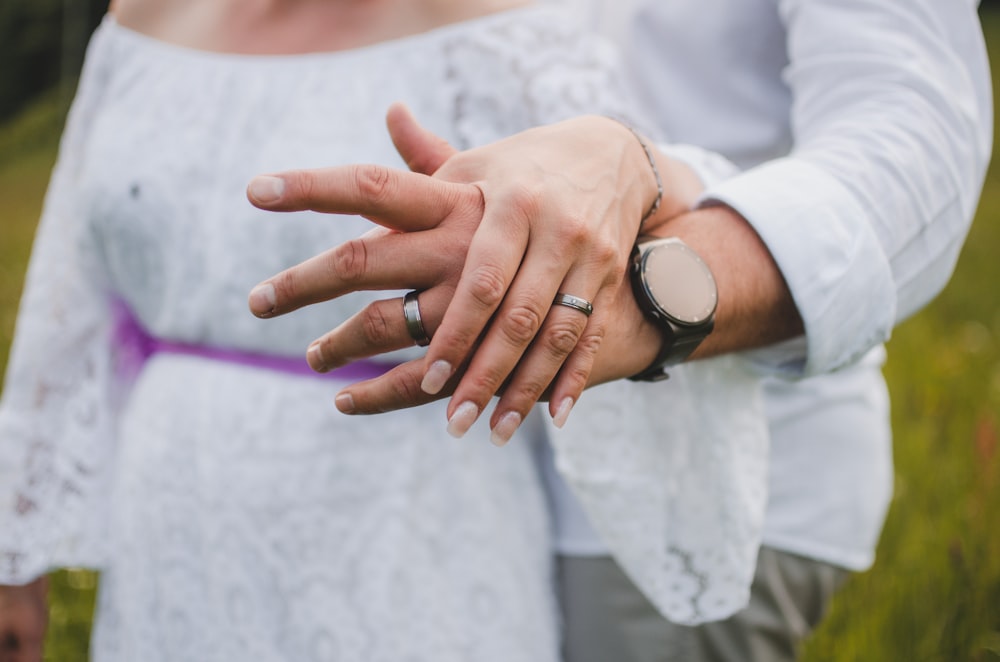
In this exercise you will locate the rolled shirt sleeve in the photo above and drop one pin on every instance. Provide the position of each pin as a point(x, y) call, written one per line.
point(892, 127)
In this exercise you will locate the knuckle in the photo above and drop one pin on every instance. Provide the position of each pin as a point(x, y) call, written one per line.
point(617, 272)
point(520, 325)
point(375, 325)
point(349, 261)
point(606, 254)
point(576, 377)
point(562, 336)
point(458, 343)
point(525, 199)
point(614, 273)
point(483, 386)
point(574, 230)
point(528, 391)
point(405, 390)
point(305, 184)
point(487, 286)
point(373, 182)
point(589, 344)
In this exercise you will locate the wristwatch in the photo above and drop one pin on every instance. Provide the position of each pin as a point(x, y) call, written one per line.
point(676, 290)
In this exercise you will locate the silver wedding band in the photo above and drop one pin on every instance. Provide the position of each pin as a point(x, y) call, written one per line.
point(576, 303)
point(414, 323)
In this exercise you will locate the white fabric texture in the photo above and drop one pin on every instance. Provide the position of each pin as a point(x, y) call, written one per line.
point(637, 455)
point(879, 116)
point(234, 513)
point(884, 112)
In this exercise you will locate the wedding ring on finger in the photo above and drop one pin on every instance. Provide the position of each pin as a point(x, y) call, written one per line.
point(414, 323)
point(576, 303)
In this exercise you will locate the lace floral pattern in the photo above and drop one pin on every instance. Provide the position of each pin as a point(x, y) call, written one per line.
point(234, 513)
point(673, 477)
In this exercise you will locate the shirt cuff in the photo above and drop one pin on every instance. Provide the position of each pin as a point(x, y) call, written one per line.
point(709, 167)
point(829, 255)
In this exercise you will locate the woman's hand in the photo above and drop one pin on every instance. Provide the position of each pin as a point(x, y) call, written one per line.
point(24, 615)
point(502, 229)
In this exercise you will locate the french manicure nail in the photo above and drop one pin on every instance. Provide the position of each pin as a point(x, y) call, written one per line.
point(344, 403)
point(462, 419)
point(565, 407)
point(266, 189)
point(436, 377)
point(262, 300)
point(314, 356)
point(505, 428)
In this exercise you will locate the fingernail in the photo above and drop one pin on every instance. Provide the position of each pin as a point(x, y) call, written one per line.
point(344, 403)
point(505, 428)
point(565, 407)
point(314, 356)
point(266, 189)
point(263, 300)
point(462, 419)
point(436, 377)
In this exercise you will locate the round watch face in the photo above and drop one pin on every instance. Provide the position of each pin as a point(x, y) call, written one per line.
point(679, 282)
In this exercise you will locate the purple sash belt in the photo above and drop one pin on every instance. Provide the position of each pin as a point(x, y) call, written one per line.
point(133, 346)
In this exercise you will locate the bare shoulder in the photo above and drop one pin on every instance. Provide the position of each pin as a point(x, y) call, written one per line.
point(451, 11)
point(286, 26)
point(145, 15)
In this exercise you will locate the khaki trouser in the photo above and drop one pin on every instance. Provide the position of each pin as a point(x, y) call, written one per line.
point(606, 619)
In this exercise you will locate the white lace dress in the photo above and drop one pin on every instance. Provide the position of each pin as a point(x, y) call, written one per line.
point(235, 515)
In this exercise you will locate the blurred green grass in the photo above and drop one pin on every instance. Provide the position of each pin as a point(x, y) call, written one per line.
point(934, 592)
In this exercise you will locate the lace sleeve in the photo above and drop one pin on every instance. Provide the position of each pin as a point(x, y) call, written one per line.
point(673, 476)
point(55, 418)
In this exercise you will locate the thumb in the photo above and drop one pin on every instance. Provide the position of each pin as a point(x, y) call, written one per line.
point(423, 151)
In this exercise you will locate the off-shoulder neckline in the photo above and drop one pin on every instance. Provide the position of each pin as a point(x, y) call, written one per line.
point(110, 25)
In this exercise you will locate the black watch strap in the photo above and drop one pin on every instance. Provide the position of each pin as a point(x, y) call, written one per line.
point(677, 346)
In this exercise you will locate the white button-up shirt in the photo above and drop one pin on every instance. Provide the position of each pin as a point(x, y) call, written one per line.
point(863, 132)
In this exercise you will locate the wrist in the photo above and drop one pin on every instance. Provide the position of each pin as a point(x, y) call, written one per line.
point(681, 189)
point(755, 307)
point(676, 290)
point(664, 187)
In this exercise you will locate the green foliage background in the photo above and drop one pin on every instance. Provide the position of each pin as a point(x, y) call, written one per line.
point(41, 43)
point(934, 592)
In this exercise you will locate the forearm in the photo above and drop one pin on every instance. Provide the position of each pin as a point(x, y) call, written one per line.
point(755, 306)
point(867, 215)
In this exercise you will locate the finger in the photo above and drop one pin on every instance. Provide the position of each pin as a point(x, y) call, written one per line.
point(370, 262)
point(513, 330)
point(574, 374)
point(491, 263)
point(378, 328)
point(423, 151)
point(559, 338)
point(397, 389)
point(398, 199)
point(514, 326)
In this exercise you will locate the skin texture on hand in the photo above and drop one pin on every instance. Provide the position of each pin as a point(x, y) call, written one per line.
point(554, 209)
point(551, 221)
point(24, 615)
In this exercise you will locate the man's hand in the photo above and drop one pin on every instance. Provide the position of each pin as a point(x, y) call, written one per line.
point(559, 211)
point(24, 615)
